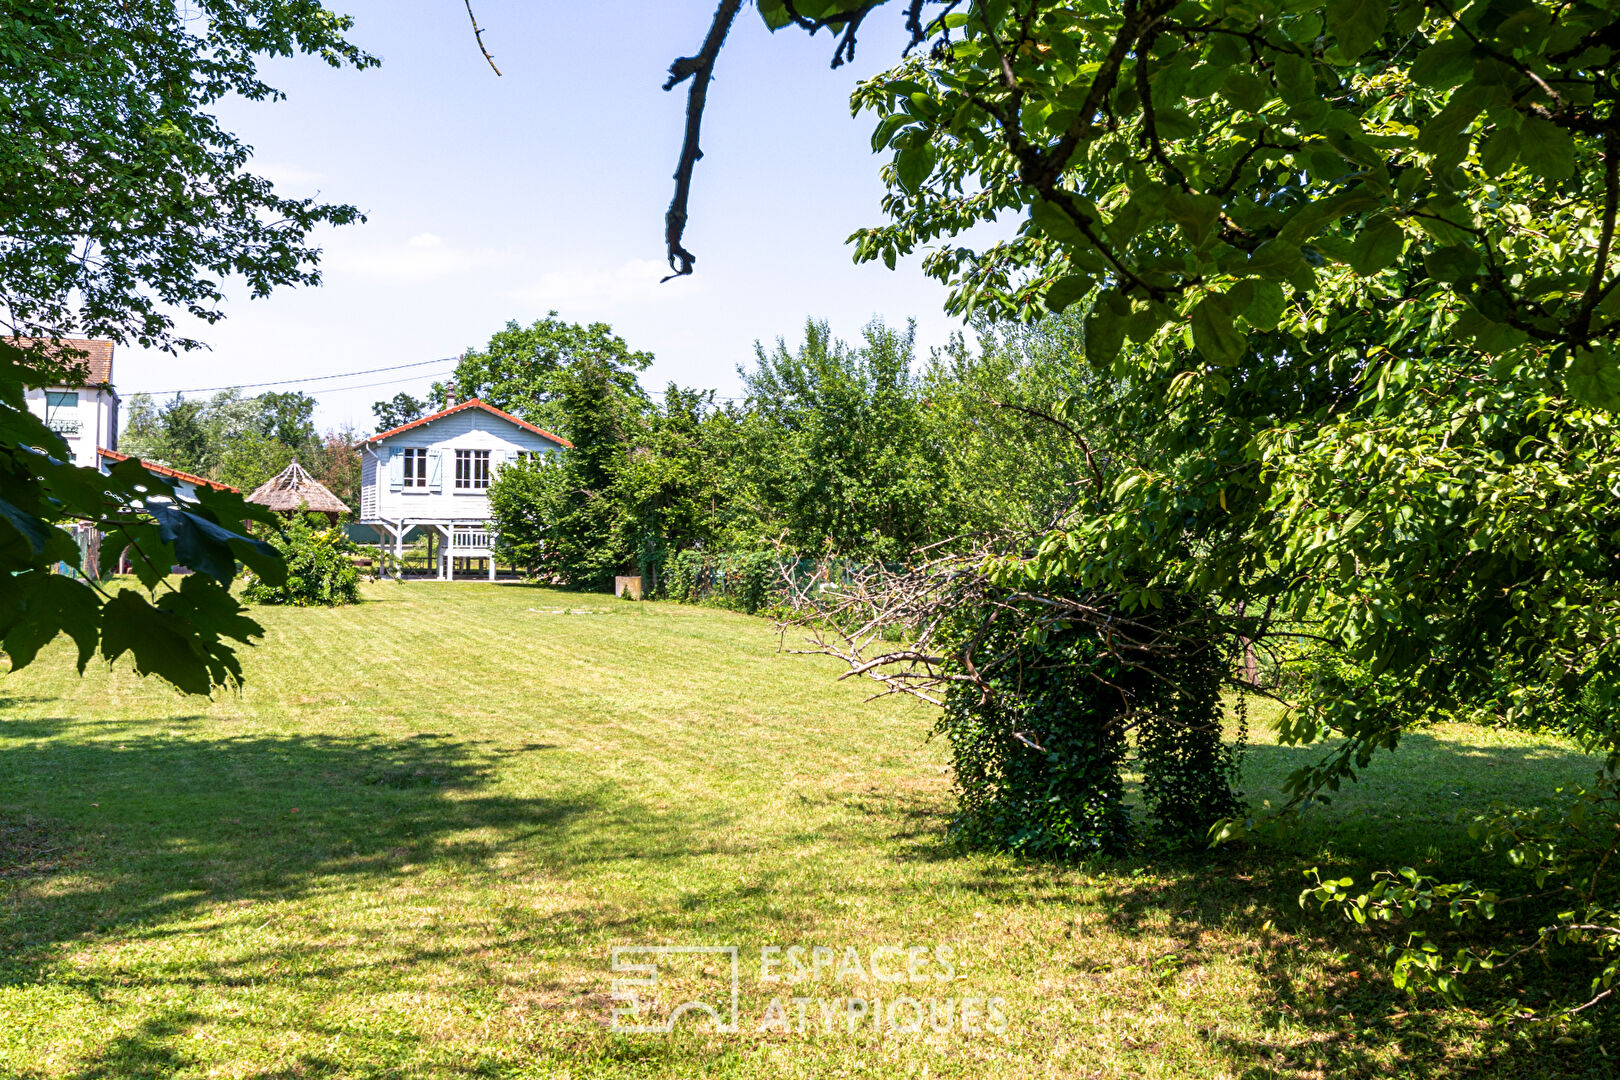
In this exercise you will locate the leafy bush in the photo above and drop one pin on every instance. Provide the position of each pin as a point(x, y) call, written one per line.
point(1038, 760)
point(740, 580)
point(320, 567)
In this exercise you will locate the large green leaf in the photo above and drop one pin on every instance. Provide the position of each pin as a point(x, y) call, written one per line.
point(162, 643)
point(1213, 332)
point(1546, 149)
point(42, 606)
point(1377, 246)
point(1593, 377)
point(1356, 24)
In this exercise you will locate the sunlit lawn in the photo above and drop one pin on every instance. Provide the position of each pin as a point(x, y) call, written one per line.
point(408, 846)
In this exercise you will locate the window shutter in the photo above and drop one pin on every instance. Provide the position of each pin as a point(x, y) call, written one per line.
point(435, 470)
point(396, 468)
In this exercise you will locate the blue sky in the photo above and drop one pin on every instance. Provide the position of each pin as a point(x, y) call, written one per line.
point(502, 198)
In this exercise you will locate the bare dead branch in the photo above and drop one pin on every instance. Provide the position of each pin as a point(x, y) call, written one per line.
point(478, 36)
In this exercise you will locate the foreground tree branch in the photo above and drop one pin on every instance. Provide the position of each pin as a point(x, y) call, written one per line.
point(478, 36)
point(699, 69)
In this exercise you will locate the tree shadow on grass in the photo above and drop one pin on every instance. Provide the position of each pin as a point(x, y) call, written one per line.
point(158, 827)
point(1329, 1006)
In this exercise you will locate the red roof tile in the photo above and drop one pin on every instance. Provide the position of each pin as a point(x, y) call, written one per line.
point(96, 366)
point(164, 470)
point(472, 403)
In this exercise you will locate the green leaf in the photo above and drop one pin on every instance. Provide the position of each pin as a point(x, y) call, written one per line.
point(1546, 149)
point(1408, 15)
point(198, 543)
point(1105, 335)
point(1499, 151)
point(1245, 89)
point(1214, 335)
point(1066, 290)
point(1356, 24)
point(775, 14)
point(44, 605)
point(914, 165)
point(1197, 214)
point(1377, 246)
point(1055, 223)
point(1265, 310)
point(1593, 377)
point(159, 640)
point(886, 129)
point(1443, 64)
point(42, 541)
point(1295, 80)
point(1274, 259)
point(1451, 264)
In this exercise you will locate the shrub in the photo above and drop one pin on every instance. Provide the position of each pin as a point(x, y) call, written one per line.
point(745, 581)
point(320, 567)
point(1038, 759)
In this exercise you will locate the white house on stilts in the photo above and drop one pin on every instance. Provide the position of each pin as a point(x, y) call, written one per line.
point(433, 475)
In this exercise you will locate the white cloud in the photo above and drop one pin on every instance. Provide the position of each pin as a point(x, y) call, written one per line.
point(636, 281)
point(424, 257)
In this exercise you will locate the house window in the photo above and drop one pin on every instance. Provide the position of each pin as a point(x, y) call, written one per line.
point(416, 467)
point(472, 469)
point(62, 411)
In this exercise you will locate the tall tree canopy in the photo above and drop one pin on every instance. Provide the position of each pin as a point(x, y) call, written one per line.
point(523, 368)
point(122, 200)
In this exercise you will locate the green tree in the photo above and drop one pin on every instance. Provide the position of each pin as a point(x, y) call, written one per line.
point(673, 482)
point(522, 368)
point(320, 566)
point(122, 200)
point(250, 459)
point(834, 451)
point(232, 438)
point(566, 518)
point(337, 465)
point(289, 419)
point(398, 411)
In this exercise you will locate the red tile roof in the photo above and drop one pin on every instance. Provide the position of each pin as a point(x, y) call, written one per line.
point(472, 403)
point(164, 470)
point(96, 366)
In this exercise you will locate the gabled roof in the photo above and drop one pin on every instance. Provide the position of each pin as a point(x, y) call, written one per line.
point(471, 403)
point(96, 364)
point(294, 490)
point(164, 470)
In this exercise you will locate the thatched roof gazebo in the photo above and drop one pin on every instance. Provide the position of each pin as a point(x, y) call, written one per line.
point(294, 491)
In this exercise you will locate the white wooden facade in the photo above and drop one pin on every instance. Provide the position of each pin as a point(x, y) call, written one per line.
point(434, 475)
point(85, 412)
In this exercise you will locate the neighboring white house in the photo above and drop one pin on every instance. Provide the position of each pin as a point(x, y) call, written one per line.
point(433, 474)
point(83, 410)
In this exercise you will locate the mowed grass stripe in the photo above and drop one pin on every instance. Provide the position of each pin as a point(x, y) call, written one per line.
point(407, 847)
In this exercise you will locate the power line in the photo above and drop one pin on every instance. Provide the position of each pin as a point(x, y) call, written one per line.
point(310, 379)
point(388, 382)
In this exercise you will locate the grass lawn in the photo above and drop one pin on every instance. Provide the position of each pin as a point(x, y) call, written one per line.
point(407, 848)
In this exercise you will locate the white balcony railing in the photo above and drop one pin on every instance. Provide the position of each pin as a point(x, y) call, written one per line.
point(63, 426)
point(470, 540)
